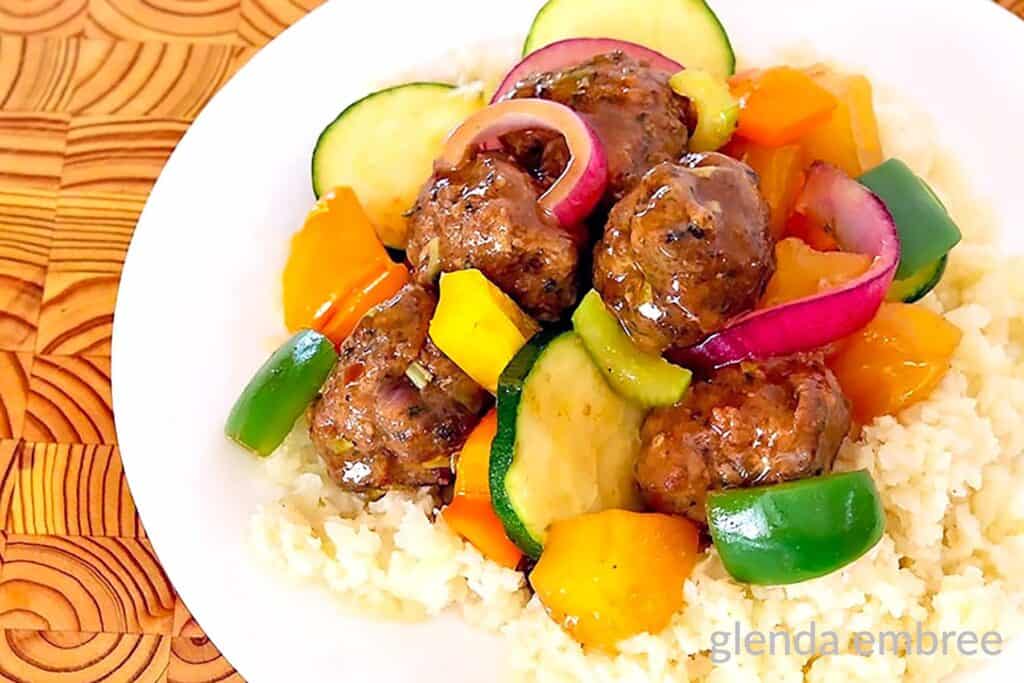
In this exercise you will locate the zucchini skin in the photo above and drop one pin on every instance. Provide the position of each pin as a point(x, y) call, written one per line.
point(510, 391)
point(917, 286)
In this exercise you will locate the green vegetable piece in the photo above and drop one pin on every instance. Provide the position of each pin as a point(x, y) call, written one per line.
point(793, 532)
point(717, 110)
point(926, 230)
point(642, 377)
point(280, 391)
point(915, 287)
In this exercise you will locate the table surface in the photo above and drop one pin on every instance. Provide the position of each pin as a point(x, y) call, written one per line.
point(94, 95)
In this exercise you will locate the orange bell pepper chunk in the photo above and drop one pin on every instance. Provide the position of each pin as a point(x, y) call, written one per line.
point(341, 316)
point(615, 574)
point(800, 271)
point(849, 138)
point(780, 173)
point(780, 105)
point(470, 513)
point(817, 235)
point(896, 361)
point(336, 252)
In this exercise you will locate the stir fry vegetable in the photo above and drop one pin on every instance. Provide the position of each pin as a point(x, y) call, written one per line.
point(645, 378)
point(280, 391)
point(801, 271)
point(478, 326)
point(796, 531)
point(470, 513)
point(927, 232)
point(717, 109)
point(779, 106)
point(332, 300)
point(615, 574)
point(849, 138)
point(896, 361)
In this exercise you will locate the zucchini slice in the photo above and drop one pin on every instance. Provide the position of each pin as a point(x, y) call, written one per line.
point(915, 287)
point(384, 146)
point(566, 442)
point(645, 378)
point(685, 30)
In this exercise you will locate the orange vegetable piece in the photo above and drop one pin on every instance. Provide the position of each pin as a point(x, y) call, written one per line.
point(817, 235)
point(475, 520)
point(780, 173)
point(470, 513)
point(896, 361)
point(337, 321)
point(849, 138)
point(611, 575)
point(780, 105)
point(800, 271)
point(335, 252)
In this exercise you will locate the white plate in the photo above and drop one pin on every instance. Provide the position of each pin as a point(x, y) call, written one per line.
point(198, 301)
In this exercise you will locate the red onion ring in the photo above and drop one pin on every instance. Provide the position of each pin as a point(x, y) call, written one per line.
point(573, 196)
point(862, 224)
point(575, 51)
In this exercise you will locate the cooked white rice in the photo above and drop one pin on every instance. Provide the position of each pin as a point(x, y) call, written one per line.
point(950, 471)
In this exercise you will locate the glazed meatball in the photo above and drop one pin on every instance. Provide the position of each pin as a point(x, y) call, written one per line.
point(484, 215)
point(372, 426)
point(745, 425)
point(637, 116)
point(685, 251)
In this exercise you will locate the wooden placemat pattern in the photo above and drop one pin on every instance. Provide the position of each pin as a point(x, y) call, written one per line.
point(94, 95)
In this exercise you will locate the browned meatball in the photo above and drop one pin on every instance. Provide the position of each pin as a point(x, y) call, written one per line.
point(484, 215)
point(637, 116)
point(371, 425)
point(748, 424)
point(686, 250)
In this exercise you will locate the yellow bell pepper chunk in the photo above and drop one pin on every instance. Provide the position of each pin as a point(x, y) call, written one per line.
point(478, 326)
point(612, 575)
point(849, 139)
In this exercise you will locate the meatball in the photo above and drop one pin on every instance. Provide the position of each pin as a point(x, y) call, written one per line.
point(685, 251)
point(745, 425)
point(372, 426)
point(484, 215)
point(637, 116)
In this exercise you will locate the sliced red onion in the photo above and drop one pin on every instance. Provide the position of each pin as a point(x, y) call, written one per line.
point(577, 191)
point(862, 224)
point(575, 51)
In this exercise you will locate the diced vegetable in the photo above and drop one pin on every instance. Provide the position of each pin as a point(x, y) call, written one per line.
point(478, 326)
point(896, 361)
point(612, 575)
point(574, 51)
point(471, 514)
point(280, 391)
point(384, 146)
point(339, 319)
point(335, 255)
point(862, 225)
point(917, 286)
point(581, 186)
point(792, 532)
point(717, 109)
point(780, 105)
point(566, 442)
point(684, 30)
point(800, 272)
point(642, 377)
point(780, 172)
point(849, 139)
point(927, 232)
point(818, 235)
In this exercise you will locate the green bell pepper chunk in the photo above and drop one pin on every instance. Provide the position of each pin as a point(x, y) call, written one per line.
point(792, 532)
point(280, 391)
point(926, 230)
